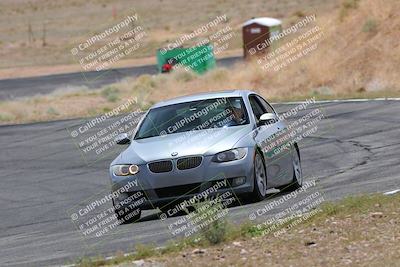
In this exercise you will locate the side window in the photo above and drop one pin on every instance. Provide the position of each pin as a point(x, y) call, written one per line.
point(266, 105)
point(257, 108)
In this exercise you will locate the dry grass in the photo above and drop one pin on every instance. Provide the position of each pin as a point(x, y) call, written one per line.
point(347, 235)
point(74, 103)
point(70, 22)
point(349, 62)
point(356, 231)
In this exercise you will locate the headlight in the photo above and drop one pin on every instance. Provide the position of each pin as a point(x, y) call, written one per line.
point(124, 170)
point(229, 155)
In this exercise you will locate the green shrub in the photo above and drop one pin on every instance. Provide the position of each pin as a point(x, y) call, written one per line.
point(213, 229)
point(370, 26)
point(346, 6)
point(146, 81)
point(110, 93)
point(144, 251)
point(6, 117)
point(143, 86)
point(183, 75)
point(299, 14)
point(91, 262)
point(52, 111)
point(106, 109)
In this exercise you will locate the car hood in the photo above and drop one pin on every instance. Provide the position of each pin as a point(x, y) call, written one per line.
point(202, 142)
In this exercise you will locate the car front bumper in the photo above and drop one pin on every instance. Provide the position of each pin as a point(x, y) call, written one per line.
point(169, 188)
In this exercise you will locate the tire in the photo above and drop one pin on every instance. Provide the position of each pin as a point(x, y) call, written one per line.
point(126, 216)
point(297, 180)
point(260, 179)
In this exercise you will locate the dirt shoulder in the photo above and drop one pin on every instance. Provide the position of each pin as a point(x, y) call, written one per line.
point(369, 237)
point(357, 231)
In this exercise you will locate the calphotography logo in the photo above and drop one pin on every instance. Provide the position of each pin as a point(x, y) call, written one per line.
point(103, 50)
point(97, 136)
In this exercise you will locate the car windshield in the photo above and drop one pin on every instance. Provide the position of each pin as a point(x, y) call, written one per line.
point(192, 116)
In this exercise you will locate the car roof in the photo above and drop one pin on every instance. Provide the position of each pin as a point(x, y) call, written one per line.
point(202, 96)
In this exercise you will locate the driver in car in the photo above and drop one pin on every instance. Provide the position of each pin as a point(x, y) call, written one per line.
point(237, 116)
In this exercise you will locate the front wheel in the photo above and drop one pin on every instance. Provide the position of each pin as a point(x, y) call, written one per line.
point(260, 179)
point(297, 181)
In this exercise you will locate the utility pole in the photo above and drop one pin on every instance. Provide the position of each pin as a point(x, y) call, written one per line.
point(31, 38)
point(44, 35)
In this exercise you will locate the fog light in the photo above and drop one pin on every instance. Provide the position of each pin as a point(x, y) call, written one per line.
point(238, 181)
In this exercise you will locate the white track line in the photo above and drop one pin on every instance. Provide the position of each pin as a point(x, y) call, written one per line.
point(392, 192)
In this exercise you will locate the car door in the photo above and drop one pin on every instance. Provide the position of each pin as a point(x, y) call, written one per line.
point(286, 154)
point(267, 137)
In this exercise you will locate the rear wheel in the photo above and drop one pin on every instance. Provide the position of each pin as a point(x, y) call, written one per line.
point(260, 179)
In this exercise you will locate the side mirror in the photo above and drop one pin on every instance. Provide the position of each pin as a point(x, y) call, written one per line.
point(122, 139)
point(268, 118)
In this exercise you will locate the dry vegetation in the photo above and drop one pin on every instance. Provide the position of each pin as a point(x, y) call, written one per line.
point(68, 23)
point(358, 57)
point(352, 234)
point(356, 231)
point(70, 103)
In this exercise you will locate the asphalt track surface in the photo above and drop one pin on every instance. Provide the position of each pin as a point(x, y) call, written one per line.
point(25, 87)
point(354, 151)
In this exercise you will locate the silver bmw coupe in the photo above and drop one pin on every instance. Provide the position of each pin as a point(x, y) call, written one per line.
point(228, 140)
